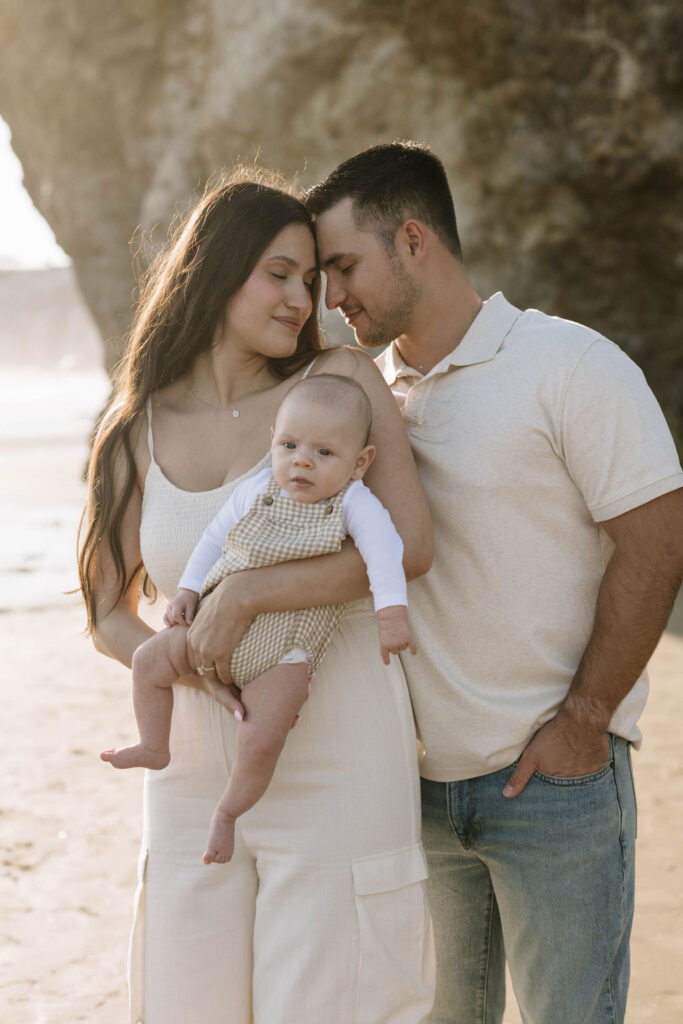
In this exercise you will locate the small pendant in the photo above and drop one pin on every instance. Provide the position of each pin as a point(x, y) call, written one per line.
point(235, 413)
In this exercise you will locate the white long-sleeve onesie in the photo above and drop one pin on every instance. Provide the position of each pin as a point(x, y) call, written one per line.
point(364, 519)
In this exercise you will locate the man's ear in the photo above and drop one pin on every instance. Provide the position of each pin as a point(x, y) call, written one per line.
point(413, 237)
point(365, 457)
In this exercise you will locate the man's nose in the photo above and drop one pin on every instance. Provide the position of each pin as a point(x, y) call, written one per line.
point(334, 294)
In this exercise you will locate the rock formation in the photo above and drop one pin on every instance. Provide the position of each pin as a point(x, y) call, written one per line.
point(560, 125)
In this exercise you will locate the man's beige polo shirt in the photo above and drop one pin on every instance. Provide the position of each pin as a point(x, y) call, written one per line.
point(528, 435)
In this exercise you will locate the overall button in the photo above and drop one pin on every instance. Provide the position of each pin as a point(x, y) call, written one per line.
point(267, 500)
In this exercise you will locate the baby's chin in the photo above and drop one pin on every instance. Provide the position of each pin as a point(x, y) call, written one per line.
point(306, 496)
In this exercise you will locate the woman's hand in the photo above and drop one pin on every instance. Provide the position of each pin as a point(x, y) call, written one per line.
point(222, 619)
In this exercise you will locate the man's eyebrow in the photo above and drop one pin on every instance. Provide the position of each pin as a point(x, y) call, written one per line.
point(335, 258)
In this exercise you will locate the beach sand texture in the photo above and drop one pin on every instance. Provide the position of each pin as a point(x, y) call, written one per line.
point(70, 825)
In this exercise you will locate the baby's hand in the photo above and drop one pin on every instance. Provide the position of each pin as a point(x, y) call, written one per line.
point(394, 632)
point(181, 608)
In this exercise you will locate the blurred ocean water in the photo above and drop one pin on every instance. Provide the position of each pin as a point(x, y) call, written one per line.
point(46, 416)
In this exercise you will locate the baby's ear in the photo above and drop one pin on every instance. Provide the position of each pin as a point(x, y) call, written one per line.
point(272, 433)
point(365, 457)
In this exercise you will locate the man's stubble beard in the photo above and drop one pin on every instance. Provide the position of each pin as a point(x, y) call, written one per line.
point(385, 325)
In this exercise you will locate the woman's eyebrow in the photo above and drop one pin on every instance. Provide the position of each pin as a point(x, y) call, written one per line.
point(291, 262)
point(285, 259)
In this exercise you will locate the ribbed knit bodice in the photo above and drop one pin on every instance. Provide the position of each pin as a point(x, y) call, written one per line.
point(173, 520)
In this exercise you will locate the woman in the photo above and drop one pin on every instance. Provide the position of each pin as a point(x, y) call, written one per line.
point(321, 915)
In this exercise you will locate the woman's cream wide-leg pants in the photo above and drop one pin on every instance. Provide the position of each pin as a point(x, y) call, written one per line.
point(321, 917)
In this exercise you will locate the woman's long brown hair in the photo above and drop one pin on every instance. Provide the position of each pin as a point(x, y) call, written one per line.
point(182, 304)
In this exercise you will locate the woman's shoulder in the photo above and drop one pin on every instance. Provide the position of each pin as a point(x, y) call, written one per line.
point(172, 399)
point(346, 360)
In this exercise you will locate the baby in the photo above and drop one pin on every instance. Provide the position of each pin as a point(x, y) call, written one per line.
point(311, 499)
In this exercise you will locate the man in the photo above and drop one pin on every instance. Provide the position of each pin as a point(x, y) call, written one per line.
point(556, 498)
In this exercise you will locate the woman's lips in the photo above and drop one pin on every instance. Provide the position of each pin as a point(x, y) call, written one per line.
point(293, 325)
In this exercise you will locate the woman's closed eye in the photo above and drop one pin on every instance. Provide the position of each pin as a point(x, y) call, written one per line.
point(308, 283)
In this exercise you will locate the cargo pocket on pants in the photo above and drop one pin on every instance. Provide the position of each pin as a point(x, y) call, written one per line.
point(395, 967)
point(136, 947)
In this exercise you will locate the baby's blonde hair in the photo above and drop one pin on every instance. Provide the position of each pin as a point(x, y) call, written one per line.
point(335, 389)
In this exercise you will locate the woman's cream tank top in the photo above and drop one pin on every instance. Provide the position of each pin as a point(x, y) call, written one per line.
point(173, 520)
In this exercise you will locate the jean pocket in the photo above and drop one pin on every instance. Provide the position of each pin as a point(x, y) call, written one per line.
point(395, 955)
point(576, 780)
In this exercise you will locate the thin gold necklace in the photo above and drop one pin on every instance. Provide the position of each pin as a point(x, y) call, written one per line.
point(233, 410)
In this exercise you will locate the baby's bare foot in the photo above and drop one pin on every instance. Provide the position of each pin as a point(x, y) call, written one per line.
point(138, 756)
point(221, 841)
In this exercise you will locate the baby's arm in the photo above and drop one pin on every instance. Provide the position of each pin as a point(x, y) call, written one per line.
point(209, 546)
point(369, 525)
point(212, 541)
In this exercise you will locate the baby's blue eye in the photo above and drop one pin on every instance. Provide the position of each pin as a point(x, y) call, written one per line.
point(324, 451)
point(289, 444)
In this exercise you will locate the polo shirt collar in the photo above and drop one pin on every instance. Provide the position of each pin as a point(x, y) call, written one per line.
point(393, 366)
point(480, 343)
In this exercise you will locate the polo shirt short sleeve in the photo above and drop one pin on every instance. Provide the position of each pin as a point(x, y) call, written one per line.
point(615, 441)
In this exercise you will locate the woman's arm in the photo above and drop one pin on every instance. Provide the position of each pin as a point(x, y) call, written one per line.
point(225, 615)
point(119, 630)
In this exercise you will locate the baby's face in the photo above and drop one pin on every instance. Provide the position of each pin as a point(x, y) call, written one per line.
point(316, 449)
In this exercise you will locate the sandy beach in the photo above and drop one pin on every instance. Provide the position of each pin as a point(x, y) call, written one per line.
point(70, 829)
point(70, 825)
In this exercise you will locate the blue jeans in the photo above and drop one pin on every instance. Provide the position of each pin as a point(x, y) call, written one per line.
point(544, 880)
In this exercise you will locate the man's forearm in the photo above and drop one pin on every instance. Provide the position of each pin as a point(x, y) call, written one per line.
point(307, 582)
point(634, 601)
point(633, 606)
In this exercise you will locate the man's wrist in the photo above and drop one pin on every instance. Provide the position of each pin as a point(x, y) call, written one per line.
point(241, 591)
point(588, 714)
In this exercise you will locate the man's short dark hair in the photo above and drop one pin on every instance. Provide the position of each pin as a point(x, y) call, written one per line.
point(389, 184)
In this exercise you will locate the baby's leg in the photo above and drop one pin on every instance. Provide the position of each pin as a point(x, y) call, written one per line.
point(271, 702)
point(156, 665)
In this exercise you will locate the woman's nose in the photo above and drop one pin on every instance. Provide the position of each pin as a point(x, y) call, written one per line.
point(299, 298)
